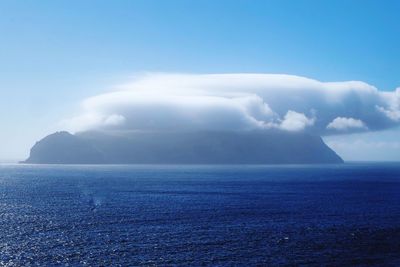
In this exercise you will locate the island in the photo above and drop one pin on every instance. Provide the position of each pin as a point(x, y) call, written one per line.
point(245, 147)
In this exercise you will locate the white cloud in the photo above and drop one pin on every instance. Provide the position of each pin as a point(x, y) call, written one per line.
point(344, 124)
point(393, 114)
point(239, 102)
point(295, 121)
point(392, 110)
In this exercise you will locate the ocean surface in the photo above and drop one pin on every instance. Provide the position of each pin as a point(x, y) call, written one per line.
point(329, 215)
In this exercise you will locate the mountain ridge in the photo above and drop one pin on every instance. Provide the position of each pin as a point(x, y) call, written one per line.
point(253, 147)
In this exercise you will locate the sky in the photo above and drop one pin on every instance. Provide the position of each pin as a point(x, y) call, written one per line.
point(54, 55)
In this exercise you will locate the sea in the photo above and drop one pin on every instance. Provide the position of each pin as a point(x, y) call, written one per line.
point(207, 215)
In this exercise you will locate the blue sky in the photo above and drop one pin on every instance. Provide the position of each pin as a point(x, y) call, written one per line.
point(53, 54)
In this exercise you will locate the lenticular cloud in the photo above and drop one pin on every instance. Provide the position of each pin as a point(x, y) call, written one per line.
point(181, 102)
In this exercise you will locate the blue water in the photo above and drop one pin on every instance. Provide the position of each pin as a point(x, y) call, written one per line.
point(200, 215)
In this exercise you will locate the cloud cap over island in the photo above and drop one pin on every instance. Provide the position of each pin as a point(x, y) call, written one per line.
point(182, 102)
